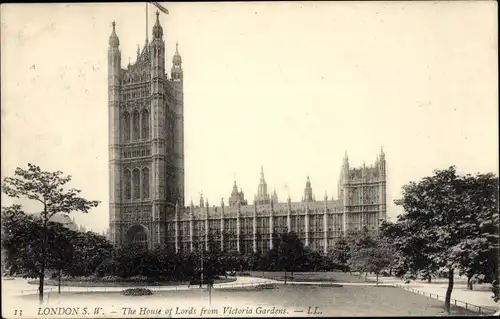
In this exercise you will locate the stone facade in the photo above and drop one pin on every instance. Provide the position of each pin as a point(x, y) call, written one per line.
point(146, 167)
point(146, 148)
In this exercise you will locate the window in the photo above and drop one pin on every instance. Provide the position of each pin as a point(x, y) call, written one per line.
point(135, 125)
point(145, 183)
point(145, 124)
point(128, 186)
point(126, 126)
point(136, 184)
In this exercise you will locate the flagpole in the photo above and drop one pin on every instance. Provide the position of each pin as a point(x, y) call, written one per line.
point(147, 23)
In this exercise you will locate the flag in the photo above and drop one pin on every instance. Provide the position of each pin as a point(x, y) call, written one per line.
point(160, 7)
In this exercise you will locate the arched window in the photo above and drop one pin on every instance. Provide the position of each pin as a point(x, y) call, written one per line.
point(145, 124)
point(136, 184)
point(137, 234)
point(126, 126)
point(145, 183)
point(128, 186)
point(135, 125)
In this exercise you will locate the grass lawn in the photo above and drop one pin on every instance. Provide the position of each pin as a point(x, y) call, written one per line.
point(295, 300)
point(76, 283)
point(311, 276)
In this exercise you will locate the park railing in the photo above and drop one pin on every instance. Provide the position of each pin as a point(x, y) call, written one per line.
point(468, 306)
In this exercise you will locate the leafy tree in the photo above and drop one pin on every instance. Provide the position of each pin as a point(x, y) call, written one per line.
point(311, 260)
point(90, 251)
point(445, 211)
point(374, 258)
point(21, 240)
point(358, 240)
point(61, 250)
point(47, 188)
point(412, 250)
point(340, 254)
point(290, 253)
point(131, 260)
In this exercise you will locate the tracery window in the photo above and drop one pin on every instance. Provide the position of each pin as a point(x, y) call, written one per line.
point(145, 124)
point(126, 126)
point(135, 125)
point(145, 183)
point(136, 184)
point(128, 186)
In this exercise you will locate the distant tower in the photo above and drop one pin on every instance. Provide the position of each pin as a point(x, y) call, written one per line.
point(262, 195)
point(344, 179)
point(308, 196)
point(274, 197)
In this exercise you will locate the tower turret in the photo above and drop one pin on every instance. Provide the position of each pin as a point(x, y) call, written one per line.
point(164, 188)
point(382, 163)
point(308, 197)
point(344, 176)
point(274, 197)
point(157, 29)
point(178, 84)
point(262, 195)
point(114, 66)
point(382, 187)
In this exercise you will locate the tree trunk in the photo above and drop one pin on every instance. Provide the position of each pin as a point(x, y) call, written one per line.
point(390, 272)
point(429, 279)
point(40, 285)
point(43, 257)
point(377, 279)
point(469, 282)
point(449, 290)
point(285, 277)
point(59, 283)
point(366, 275)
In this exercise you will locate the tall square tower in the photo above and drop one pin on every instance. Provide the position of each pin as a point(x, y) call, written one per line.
point(146, 141)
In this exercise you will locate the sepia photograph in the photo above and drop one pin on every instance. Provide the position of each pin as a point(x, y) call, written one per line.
point(249, 159)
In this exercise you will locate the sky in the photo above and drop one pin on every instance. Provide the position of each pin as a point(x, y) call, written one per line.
point(289, 86)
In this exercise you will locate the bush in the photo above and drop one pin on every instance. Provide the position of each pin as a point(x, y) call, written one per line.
point(243, 274)
point(137, 292)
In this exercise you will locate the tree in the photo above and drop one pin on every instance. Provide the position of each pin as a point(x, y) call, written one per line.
point(60, 249)
point(290, 252)
point(340, 254)
point(358, 240)
point(373, 258)
point(21, 240)
point(445, 212)
point(412, 251)
point(90, 251)
point(47, 188)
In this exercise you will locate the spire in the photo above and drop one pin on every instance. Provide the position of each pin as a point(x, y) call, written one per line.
point(114, 42)
point(235, 189)
point(176, 60)
point(382, 154)
point(261, 171)
point(157, 29)
point(308, 191)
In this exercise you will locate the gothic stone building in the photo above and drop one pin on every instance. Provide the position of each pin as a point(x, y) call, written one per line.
point(146, 171)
